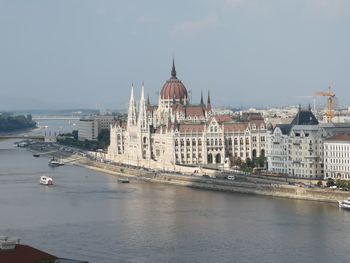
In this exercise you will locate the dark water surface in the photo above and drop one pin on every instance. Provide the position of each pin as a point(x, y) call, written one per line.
point(89, 215)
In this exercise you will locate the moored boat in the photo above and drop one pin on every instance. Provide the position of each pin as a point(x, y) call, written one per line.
point(344, 204)
point(36, 155)
point(45, 180)
point(123, 180)
point(54, 163)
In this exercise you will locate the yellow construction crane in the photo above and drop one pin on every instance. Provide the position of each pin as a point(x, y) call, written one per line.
point(330, 102)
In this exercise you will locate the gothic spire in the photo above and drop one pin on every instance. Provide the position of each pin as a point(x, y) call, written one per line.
point(142, 119)
point(202, 102)
point(208, 102)
point(173, 70)
point(132, 108)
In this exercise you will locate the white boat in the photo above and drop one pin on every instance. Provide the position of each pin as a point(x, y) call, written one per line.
point(345, 204)
point(54, 163)
point(46, 180)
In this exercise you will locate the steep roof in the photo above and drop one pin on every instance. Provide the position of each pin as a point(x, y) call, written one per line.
point(285, 128)
point(339, 138)
point(224, 118)
point(195, 110)
point(304, 117)
point(235, 126)
point(25, 254)
point(28, 254)
point(194, 128)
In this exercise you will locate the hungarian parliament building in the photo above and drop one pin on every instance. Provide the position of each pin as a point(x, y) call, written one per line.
point(178, 132)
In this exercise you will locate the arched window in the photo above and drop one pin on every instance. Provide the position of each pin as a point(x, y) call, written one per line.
point(188, 143)
point(176, 142)
point(199, 142)
point(193, 142)
point(182, 142)
point(230, 141)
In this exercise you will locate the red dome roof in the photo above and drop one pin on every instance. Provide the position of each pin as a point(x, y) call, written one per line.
point(173, 88)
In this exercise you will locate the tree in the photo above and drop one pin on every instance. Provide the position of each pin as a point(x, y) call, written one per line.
point(75, 134)
point(330, 182)
point(249, 163)
point(104, 138)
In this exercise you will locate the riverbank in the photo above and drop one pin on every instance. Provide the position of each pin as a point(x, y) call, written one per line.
point(273, 190)
point(274, 187)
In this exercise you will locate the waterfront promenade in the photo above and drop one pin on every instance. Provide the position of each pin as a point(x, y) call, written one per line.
point(247, 184)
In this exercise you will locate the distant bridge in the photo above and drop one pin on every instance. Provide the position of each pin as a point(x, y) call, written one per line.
point(23, 137)
point(40, 118)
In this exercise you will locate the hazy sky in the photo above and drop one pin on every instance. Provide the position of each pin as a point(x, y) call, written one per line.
point(83, 53)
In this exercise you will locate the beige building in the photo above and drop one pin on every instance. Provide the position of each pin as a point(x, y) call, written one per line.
point(90, 127)
point(177, 132)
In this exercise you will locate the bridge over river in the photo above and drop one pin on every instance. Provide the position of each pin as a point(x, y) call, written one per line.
point(22, 137)
point(40, 118)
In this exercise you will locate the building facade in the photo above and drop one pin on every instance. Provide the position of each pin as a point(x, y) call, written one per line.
point(337, 157)
point(177, 132)
point(90, 127)
point(297, 149)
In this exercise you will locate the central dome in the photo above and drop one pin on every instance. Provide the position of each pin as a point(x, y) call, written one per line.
point(173, 88)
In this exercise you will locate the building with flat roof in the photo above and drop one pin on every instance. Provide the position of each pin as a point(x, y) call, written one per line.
point(337, 157)
point(90, 127)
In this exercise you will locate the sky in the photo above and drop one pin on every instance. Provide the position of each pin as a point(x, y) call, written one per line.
point(248, 53)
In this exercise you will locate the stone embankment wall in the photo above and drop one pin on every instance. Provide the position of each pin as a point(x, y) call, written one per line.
point(277, 190)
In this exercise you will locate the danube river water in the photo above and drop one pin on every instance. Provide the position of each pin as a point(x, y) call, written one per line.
point(90, 216)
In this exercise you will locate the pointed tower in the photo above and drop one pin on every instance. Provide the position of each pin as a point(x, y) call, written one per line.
point(173, 70)
point(142, 118)
point(132, 109)
point(202, 101)
point(148, 100)
point(208, 102)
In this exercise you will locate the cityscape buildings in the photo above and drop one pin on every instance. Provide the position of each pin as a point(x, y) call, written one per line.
point(178, 132)
point(297, 149)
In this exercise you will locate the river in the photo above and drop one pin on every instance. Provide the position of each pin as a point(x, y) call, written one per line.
point(90, 216)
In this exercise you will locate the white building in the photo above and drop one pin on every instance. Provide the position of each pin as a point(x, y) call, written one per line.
point(296, 149)
point(337, 157)
point(178, 132)
point(90, 127)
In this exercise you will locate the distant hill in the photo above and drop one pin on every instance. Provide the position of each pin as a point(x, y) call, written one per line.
point(10, 122)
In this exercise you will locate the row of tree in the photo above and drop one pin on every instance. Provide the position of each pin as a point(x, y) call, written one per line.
point(249, 164)
point(9, 122)
point(345, 184)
